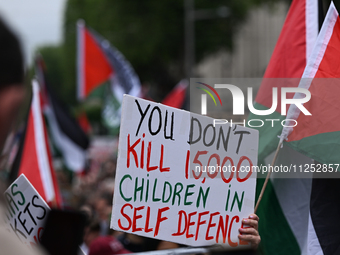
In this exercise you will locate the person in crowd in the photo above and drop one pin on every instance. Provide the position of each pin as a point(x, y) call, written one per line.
point(108, 170)
point(91, 232)
point(12, 94)
point(107, 245)
point(103, 208)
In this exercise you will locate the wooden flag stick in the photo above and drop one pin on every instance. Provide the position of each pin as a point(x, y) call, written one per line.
point(267, 178)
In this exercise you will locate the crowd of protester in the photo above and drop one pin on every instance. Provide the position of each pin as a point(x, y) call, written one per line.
point(92, 193)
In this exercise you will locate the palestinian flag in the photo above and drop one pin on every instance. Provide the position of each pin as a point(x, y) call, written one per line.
point(288, 60)
point(317, 136)
point(67, 136)
point(101, 66)
point(176, 97)
point(34, 157)
point(93, 67)
point(284, 215)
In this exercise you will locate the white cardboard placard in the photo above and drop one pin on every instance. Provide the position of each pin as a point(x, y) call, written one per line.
point(161, 192)
point(26, 211)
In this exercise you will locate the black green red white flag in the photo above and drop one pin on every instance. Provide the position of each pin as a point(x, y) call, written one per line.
point(288, 60)
point(68, 138)
point(102, 65)
point(93, 68)
point(284, 215)
point(318, 136)
point(35, 160)
point(176, 97)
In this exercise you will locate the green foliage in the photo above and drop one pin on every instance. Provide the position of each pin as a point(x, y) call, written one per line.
point(150, 33)
point(55, 72)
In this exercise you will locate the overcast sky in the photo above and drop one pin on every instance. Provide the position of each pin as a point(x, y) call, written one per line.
point(37, 22)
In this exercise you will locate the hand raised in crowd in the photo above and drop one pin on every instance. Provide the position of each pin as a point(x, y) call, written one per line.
point(250, 233)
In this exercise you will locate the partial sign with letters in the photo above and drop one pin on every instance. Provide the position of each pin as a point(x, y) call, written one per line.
point(26, 211)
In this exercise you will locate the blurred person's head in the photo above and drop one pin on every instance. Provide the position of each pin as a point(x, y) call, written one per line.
point(104, 205)
point(92, 231)
point(12, 91)
point(135, 243)
point(107, 245)
point(108, 169)
point(107, 186)
point(88, 212)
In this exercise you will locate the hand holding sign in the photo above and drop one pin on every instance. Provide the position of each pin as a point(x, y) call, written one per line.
point(249, 231)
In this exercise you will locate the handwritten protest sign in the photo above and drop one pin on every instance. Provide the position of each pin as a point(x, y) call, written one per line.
point(26, 211)
point(182, 178)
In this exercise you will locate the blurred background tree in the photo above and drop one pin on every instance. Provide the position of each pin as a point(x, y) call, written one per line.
point(149, 33)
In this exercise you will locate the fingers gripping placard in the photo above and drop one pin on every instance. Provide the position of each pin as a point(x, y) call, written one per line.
point(172, 180)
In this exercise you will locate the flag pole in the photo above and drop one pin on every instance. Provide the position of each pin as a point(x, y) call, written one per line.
point(267, 178)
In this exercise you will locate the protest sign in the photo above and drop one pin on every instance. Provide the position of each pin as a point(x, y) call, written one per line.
point(26, 211)
point(181, 177)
